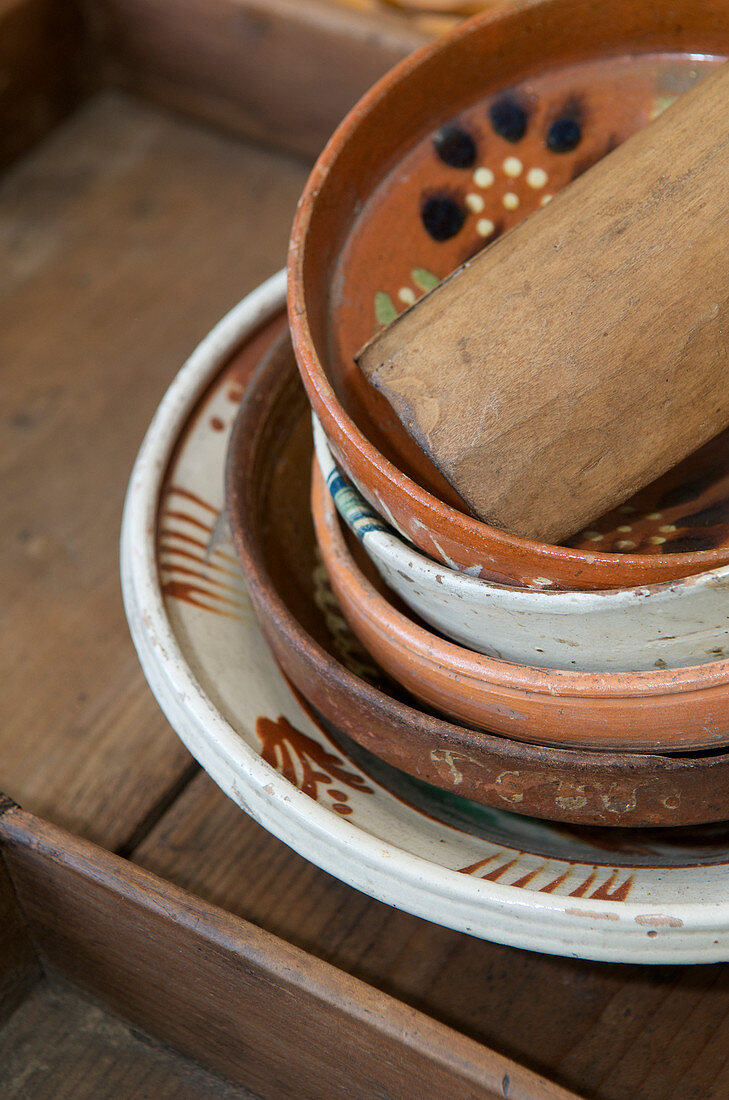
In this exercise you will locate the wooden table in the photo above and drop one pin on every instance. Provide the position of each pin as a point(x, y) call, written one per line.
point(124, 235)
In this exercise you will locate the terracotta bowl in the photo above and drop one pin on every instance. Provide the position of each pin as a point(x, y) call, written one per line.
point(658, 711)
point(267, 491)
point(625, 629)
point(450, 149)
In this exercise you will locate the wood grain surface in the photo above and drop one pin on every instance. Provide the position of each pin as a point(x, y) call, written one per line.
point(283, 72)
point(606, 1031)
point(583, 354)
point(233, 997)
point(61, 1046)
point(123, 238)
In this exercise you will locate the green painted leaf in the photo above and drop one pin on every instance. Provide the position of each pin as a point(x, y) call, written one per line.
point(423, 278)
point(385, 311)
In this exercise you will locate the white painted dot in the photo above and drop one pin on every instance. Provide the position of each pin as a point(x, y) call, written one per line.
point(626, 509)
point(474, 202)
point(625, 544)
point(654, 515)
point(656, 540)
point(545, 199)
point(483, 177)
point(592, 536)
point(513, 167)
point(668, 528)
point(625, 527)
point(484, 227)
point(510, 200)
point(536, 178)
point(406, 295)
point(541, 581)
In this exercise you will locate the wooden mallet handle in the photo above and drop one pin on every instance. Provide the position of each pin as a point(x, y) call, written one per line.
point(585, 352)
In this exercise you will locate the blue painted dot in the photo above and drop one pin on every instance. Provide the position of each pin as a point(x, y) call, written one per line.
point(442, 217)
point(455, 147)
point(564, 134)
point(508, 118)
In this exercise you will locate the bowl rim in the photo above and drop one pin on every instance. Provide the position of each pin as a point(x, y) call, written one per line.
point(435, 651)
point(474, 532)
point(244, 441)
point(280, 622)
point(387, 544)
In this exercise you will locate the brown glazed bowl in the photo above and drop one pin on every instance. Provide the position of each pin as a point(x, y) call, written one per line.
point(450, 149)
point(267, 491)
point(666, 710)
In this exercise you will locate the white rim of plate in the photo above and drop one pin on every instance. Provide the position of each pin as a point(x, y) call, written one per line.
point(684, 932)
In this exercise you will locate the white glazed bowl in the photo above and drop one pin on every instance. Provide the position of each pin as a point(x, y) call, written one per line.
point(670, 625)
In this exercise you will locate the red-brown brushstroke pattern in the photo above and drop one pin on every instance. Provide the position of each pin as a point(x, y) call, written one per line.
point(175, 490)
point(552, 886)
point(501, 870)
point(581, 890)
point(193, 594)
point(186, 570)
point(610, 890)
point(527, 878)
point(198, 582)
point(181, 536)
point(283, 746)
point(473, 867)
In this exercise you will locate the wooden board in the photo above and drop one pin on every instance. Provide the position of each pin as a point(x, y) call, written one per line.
point(230, 995)
point(19, 969)
point(123, 238)
point(46, 68)
point(283, 72)
point(59, 1045)
point(608, 1032)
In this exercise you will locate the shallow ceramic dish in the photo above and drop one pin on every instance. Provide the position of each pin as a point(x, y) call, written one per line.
point(670, 625)
point(453, 147)
point(663, 710)
point(645, 896)
point(268, 505)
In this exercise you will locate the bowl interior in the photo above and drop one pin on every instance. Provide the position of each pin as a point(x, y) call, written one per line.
point(285, 533)
point(436, 171)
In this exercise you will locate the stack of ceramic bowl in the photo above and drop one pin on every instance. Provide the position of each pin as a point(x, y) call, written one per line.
point(616, 643)
point(348, 694)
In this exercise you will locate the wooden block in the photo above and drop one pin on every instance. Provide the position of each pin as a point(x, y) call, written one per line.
point(584, 353)
point(609, 1031)
point(254, 66)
